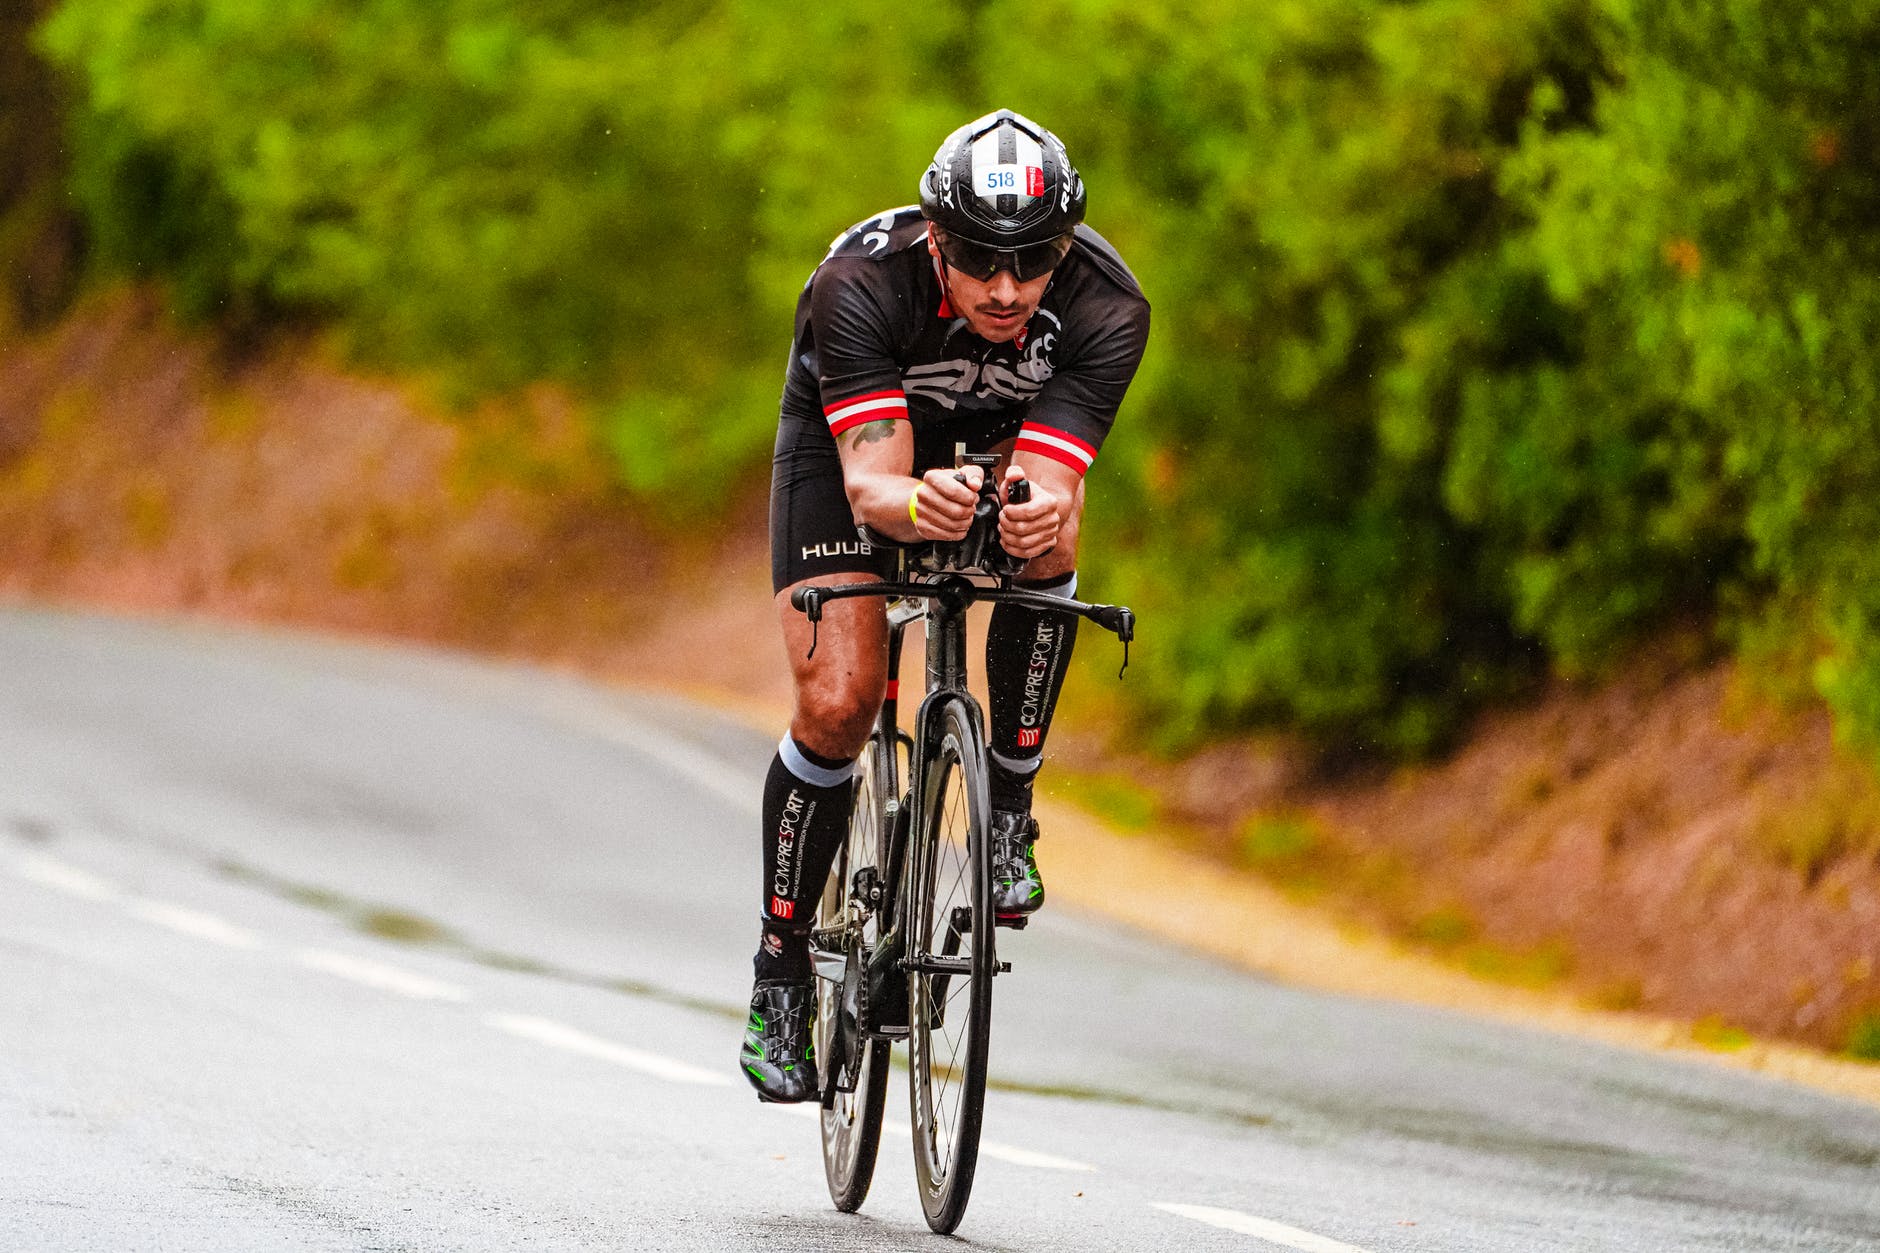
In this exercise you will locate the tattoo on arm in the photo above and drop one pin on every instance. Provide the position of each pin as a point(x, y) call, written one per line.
point(869, 432)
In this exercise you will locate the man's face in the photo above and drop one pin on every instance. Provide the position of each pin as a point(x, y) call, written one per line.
point(996, 309)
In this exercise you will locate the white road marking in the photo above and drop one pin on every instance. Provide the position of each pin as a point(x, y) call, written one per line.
point(568, 1039)
point(1003, 1152)
point(68, 879)
point(1030, 1157)
point(1262, 1228)
point(699, 768)
point(378, 975)
point(192, 922)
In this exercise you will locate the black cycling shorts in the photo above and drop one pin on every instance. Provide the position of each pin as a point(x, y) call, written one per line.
point(812, 532)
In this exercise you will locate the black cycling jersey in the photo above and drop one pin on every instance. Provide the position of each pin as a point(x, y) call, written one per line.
point(876, 339)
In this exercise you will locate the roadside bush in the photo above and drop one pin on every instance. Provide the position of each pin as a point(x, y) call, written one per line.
point(625, 202)
point(1488, 336)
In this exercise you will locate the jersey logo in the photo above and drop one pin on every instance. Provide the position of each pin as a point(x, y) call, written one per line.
point(1000, 381)
point(873, 234)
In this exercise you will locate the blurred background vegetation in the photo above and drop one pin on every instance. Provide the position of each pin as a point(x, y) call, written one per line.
point(1492, 336)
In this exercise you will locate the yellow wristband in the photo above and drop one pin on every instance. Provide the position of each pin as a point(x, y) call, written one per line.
point(912, 501)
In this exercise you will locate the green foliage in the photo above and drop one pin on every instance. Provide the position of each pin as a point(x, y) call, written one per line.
point(1489, 336)
point(1537, 967)
point(1719, 1034)
point(1837, 817)
point(1713, 234)
point(1125, 804)
point(625, 202)
point(1277, 840)
point(1863, 1037)
point(1447, 927)
point(1290, 850)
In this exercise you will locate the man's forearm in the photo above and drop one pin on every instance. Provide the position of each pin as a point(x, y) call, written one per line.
point(879, 501)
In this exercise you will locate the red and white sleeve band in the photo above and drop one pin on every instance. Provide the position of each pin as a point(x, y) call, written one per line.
point(874, 407)
point(1058, 445)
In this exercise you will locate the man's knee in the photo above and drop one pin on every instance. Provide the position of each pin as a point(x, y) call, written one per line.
point(834, 719)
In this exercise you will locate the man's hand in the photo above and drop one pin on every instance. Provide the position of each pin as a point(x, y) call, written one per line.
point(944, 505)
point(1031, 528)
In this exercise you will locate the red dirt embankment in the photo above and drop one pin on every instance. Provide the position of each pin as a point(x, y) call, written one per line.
point(142, 469)
point(1662, 842)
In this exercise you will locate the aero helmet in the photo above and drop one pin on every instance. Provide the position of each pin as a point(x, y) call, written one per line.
point(1006, 184)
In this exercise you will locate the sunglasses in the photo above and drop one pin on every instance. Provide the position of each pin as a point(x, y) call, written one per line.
point(981, 261)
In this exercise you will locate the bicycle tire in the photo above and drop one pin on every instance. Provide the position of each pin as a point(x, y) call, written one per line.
point(950, 1015)
point(851, 1123)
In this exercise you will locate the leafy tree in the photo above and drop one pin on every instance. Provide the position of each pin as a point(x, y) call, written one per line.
point(1489, 336)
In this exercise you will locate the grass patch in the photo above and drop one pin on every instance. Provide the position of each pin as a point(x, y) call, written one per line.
point(1838, 816)
point(1449, 927)
point(1276, 840)
point(515, 962)
point(1718, 1034)
point(1863, 1037)
point(315, 898)
point(1287, 849)
point(1120, 801)
point(1526, 968)
point(1454, 933)
point(393, 924)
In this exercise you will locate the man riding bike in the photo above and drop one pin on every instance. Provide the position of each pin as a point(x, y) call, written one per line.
point(988, 316)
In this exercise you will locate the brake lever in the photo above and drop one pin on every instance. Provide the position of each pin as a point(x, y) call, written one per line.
point(809, 602)
point(1121, 622)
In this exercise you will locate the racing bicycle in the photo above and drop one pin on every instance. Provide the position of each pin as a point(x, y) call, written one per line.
point(903, 943)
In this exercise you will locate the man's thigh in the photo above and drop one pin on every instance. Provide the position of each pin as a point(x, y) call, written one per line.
point(812, 531)
point(839, 688)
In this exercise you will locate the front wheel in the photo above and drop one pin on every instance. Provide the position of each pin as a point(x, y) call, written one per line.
point(845, 928)
point(950, 979)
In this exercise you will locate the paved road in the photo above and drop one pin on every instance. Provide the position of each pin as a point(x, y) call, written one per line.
point(322, 946)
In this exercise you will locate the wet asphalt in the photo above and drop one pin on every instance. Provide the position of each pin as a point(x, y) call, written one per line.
point(322, 945)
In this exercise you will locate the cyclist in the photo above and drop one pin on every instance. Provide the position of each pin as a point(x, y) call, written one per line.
point(987, 315)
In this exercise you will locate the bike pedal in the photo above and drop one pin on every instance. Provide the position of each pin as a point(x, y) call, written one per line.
point(1017, 922)
point(1005, 968)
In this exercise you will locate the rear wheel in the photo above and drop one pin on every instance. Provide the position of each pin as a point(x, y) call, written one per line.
point(950, 984)
point(851, 1120)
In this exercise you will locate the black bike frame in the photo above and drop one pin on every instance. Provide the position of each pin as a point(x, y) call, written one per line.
point(947, 597)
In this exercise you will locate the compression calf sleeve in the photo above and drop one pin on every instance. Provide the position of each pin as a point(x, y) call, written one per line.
point(1027, 653)
point(807, 799)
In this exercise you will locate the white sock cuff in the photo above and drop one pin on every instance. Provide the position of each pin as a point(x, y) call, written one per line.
point(1063, 591)
point(1027, 766)
point(808, 771)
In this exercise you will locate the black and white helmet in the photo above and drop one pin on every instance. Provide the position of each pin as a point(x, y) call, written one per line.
point(1003, 182)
